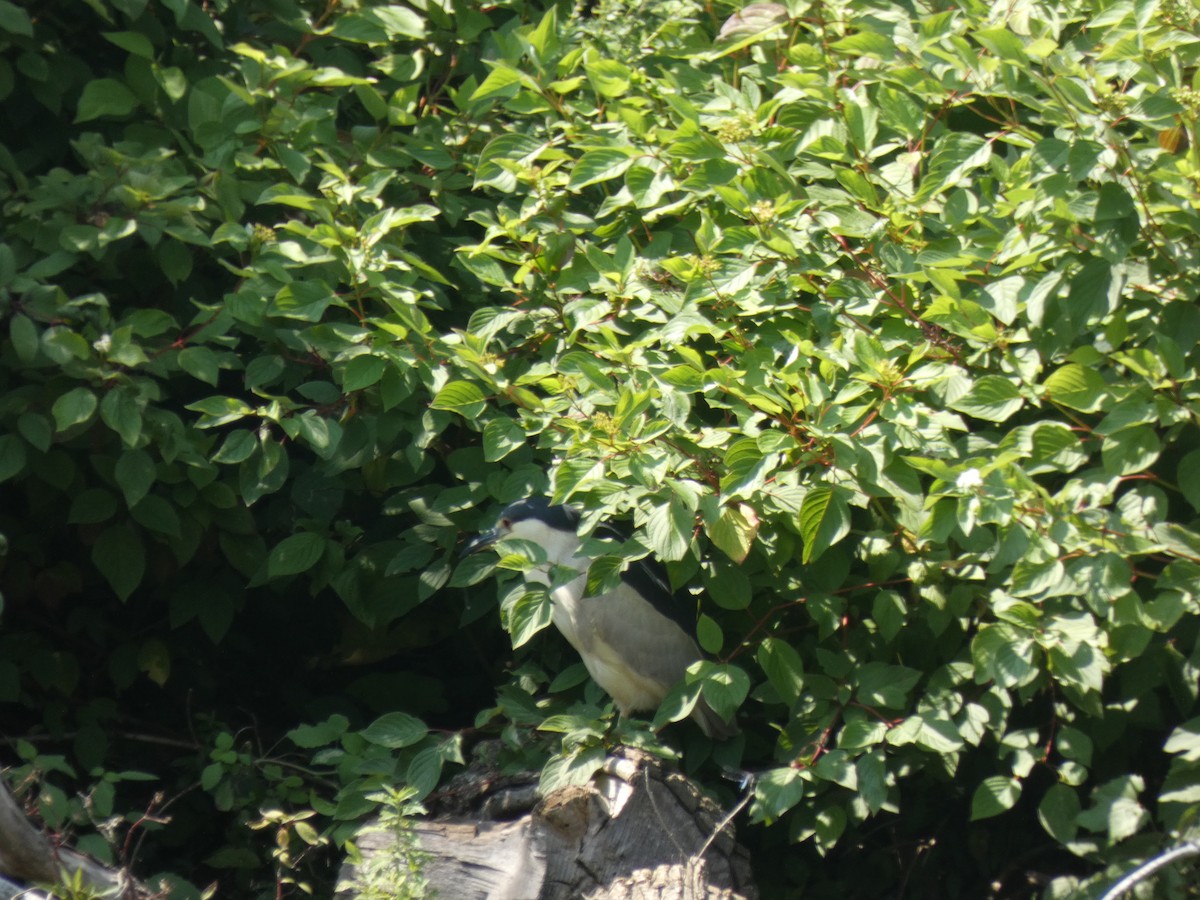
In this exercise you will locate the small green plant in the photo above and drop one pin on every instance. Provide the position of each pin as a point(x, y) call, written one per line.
point(393, 869)
point(75, 887)
point(295, 838)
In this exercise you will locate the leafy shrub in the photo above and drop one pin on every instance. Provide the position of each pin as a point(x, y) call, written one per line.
point(877, 325)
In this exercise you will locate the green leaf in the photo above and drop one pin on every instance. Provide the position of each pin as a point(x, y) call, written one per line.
point(954, 155)
point(433, 578)
point(1188, 476)
point(889, 613)
point(724, 686)
point(502, 83)
point(1055, 447)
point(865, 43)
point(158, 515)
point(836, 766)
point(321, 434)
point(75, 407)
point(861, 733)
point(239, 445)
point(576, 768)
point(1004, 654)
point(360, 28)
point(362, 372)
point(528, 615)
point(669, 528)
point(462, 397)
point(133, 41)
point(991, 398)
point(500, 438)
point(1075, 744)
point(603, 575)
point(776, 791)
point(600, 165)
point(1093, 292)
point(24, 336)
point(783, 667)
point(880, 684)
point(544, 39)
point(264, 472)
point(1130, 451)
point(15, 20)
point(608, 77)
point(1077, 387)
point(1032, 578)
point(105, 97)
point(424, 771)
point(1057, 812)
point(1185, 741)
point(824, 520)
point(400, 21)
point(121, 558)
point(574, 474)
point(200, 363)
point(92, 506)
point(754, 22)
point(303, 300)
point(1115, 809)
point(996, 794)
point(395, 730)
point(154, 661)
point(686, 378)
point(735, 530)
point(709, 635)
point(295, 554)
point(263, 370)
point(219, 411)
point(502, 156)
point(939, 734)
point(36, 429)
point(12, 456)
point(728, 585)
point(872, 779)
point(134, 473)
point(121, 412)
point(1002, 43)
point(309, 737)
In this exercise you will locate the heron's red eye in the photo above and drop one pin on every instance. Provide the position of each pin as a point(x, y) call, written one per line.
point(506, 523)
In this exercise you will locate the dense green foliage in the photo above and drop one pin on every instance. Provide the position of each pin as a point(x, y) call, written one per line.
point(878, 326)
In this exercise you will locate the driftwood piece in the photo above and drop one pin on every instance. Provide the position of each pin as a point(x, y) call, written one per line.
point(10, 890)
point(27, 856)
point(638, 831)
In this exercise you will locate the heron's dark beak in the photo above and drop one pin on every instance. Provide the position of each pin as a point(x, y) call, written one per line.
point(480, 542)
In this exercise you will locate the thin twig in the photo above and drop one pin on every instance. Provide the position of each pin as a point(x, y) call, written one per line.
point(1145, 870)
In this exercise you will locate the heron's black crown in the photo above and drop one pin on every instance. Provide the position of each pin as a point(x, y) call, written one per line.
point(560, 518)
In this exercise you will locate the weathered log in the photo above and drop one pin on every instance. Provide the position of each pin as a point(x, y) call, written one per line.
point(27, 856)
point(10, 890)
point(637, 831)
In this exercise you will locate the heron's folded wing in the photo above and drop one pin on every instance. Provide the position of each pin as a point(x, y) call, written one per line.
point(650, 643)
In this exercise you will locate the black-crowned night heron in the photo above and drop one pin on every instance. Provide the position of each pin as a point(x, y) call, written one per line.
point(635, 640)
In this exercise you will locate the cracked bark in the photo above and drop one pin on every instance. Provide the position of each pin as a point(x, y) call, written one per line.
point(638, 831)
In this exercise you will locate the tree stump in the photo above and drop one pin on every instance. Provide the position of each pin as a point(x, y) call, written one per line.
point(637, 831)
point(26, 855)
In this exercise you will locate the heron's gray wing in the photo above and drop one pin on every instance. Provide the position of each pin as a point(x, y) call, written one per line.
point(650, 643)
